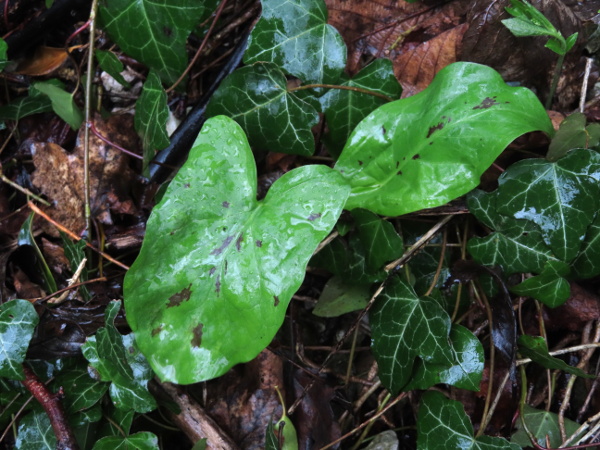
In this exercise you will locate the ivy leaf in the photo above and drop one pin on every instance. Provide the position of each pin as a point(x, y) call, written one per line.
point(18, 320)
point(154, 33)
point(215, 260)
point(116, 359)
point(112, 65)
point(151, 115)
point(380, 240)
point(143, 440)
point(62, 102)
point(3, 54)
point(339, 297)
point(466, 369)
point(517, 246)
point(549, 287)
point(345, 109)
point(587, 263)
point(536, 349)
point(544, 425)
point(442, 424)
point(273, 118)
point(26, 106)
point(404, 326)
point(35, 432)
point(560, 197)
point(88, 391)
point(294, 35)
point(423, 151)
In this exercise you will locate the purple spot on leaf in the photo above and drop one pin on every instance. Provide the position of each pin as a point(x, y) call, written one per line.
point(226, 242)
point(416, 156)
point(312, 217)
point(218, 284)
point(276, 300)
point(238, 242)
point(435, 128)
point(225, 204)
point(156, 330)
point(197, 332)
point(179, 297)
point(259, 243)
point(212, 270)
point(487, 103)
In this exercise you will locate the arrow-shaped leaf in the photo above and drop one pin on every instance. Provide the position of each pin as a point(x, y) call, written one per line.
point(218, 268)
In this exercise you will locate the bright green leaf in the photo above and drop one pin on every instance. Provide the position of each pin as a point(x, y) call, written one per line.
point(154, 33)
point(340, 298)
point(345, 109)
point(443, 424)
point(536, 349)
point(112, 65)
point(215, 261)
point(380, 240)
point(560, 197)
point(541, 424)
point(571, 41)
point(63, 103)
point(294, 34)
point(151, 114)
point(466, 369)
point(18, 319)
point(403, 327)
point(35, 432)
point(549, 287)
point(273, 119)
point(423, 151)
point(3, 55)
point(117, 360)
point(143, 440)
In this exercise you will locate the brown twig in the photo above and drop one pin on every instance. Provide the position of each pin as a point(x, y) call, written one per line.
point(65, 439)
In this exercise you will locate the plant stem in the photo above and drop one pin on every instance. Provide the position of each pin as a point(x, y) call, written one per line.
point(343, 88)
point(555, 78)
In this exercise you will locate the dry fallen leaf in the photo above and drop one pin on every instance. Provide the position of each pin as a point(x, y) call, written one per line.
point(59, 175)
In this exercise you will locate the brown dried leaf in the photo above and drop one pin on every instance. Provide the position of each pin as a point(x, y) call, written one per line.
point(59, 175)
point(44, 61)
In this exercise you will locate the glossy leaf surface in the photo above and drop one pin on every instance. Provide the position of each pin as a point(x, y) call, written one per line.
point(143, 440)
point(536, 348)
point(543, 425)
point(466, 369)
point(345, 109)
point(380, 240)
point(587, 263)
point(517, 245)
point(274, 120)
point(215, 260)
point(25, 106)
point(154, 33)
point(117, 360)
point(88, 391)
point(396, 167)
point(18, 319)
point(151, 114)
point(561, 197)
point(35, 432)
point(403, 327)
point(549, 287)
point(443, 424)
point(294, 34)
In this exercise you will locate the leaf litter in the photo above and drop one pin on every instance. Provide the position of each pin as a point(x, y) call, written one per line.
point(420, 39)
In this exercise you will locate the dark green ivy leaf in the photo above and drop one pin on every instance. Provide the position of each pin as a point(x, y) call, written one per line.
point(274, 119)
point(442, 424)
point(112, 65)
point(560, 197)
point(35, 432)
point(151, 114)
point(544, 425)
point(116, 359)
point(466, 369)
point(294, 35)
point(143, 440)
point(536, 349)
point(18, 319)
point(154, 33)
point(345, 109)
point(403, 327)
point(549, 287)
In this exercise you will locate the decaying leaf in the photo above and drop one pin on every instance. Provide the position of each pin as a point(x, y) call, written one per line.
point(59, 175)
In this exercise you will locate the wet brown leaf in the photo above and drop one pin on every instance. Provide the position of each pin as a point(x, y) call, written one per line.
point(579, 309)
point(44, 61)
point(59, 175)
